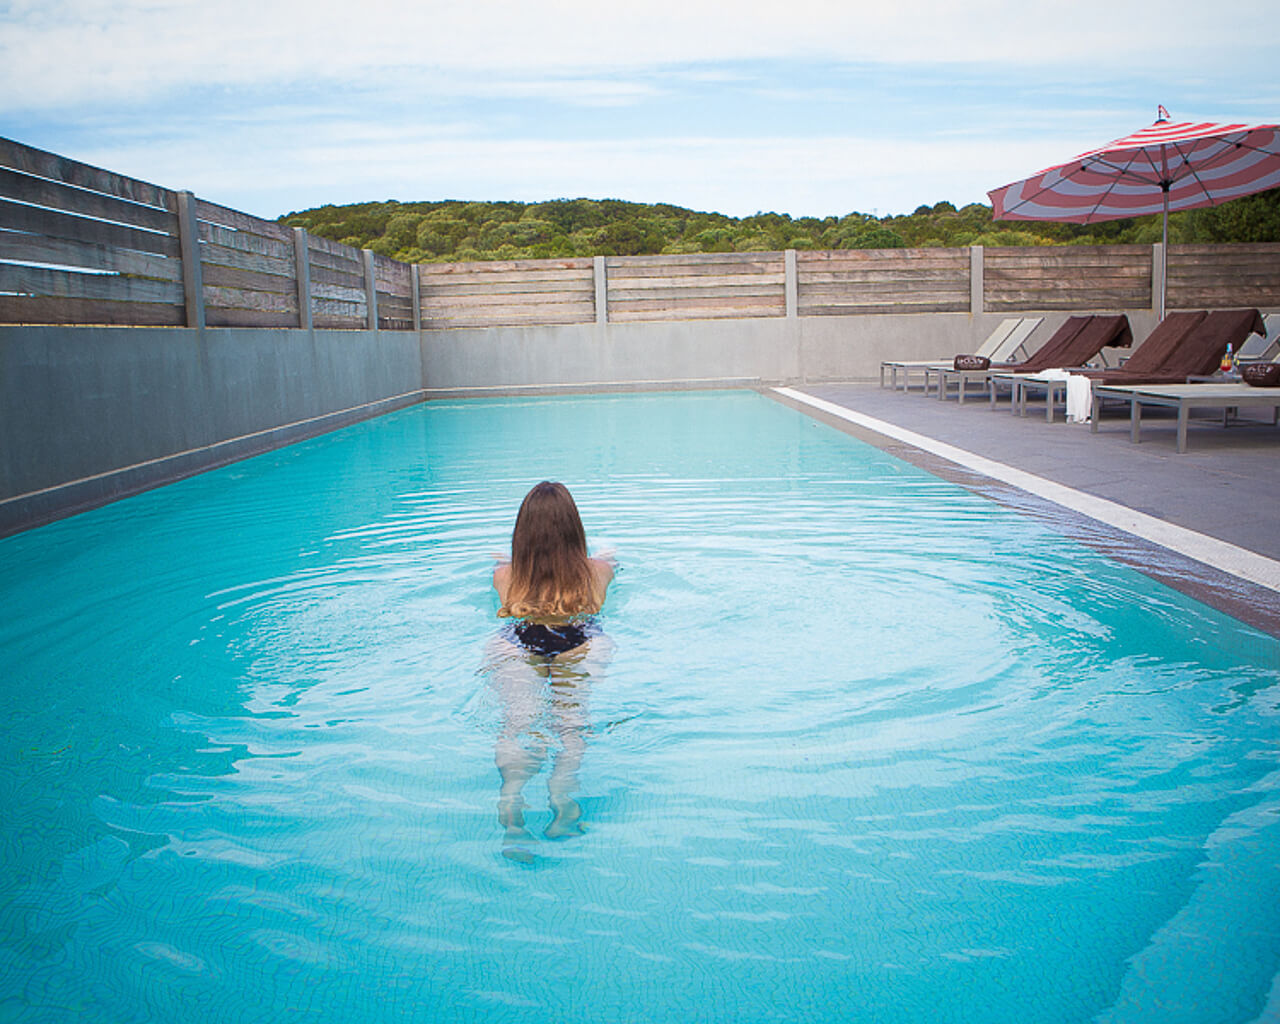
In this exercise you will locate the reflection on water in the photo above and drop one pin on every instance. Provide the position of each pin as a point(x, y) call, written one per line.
point(543, 706)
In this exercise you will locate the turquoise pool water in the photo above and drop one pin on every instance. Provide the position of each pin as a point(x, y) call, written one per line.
point(860, 746)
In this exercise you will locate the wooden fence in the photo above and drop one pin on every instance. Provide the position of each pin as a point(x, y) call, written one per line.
point(1101, 277)
point(508, 293)
point(856, 281)
point(696, 286)
point(81, 245)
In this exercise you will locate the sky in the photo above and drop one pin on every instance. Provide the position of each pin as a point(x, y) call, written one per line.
point(808, 107)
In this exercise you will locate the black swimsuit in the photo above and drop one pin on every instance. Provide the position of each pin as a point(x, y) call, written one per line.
point(548, 641)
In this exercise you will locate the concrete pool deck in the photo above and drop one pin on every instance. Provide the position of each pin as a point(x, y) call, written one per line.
point(1207, 521)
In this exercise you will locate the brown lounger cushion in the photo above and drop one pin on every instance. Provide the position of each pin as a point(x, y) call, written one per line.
point(1261, 375)
point(972, 362)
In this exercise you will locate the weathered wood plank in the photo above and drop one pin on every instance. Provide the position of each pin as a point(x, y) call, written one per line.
point(870, 308)
point(580, 310)
point(394, 310)
point(320, 244)
point(65, 253)
point(1065, 274)
point(1033, 252)
point(396, 276)
point(696, 284)
point(536, 291)
point(243, 241)
point(321, 276)
point(683, 296)
point(1234, 250)
point(59, 168)
point(820, 256)
point(498, 278)
point(43, 281)
point(1224, 298)
point(476, 305)
point(24, 309)
point(447, 323)
point(338, 265)
point(339, 307)
point(1072, 256)
point(745, 313)
point(339, 293)
point(479, 305)
point(28, 189)
point(1136, 285)
point(532, 288)
point(740, 271)
point(725, 306)
point(217, 297)
point(881, 297)
point(1226, 285)
point(693, 259)
point(334, 321)
point(212, 213)
point(429, 270)
point(249, 280)
point(1095, 303)
point(217, 316)
point(885, 276)
point(219, 255)
point(34, 219)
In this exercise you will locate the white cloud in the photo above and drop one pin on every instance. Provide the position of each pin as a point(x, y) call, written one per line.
point(55, 52)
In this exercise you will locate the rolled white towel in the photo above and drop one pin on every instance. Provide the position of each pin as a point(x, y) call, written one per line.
point(1079, 398)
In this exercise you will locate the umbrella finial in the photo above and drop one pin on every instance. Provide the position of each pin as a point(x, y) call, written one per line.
point(1162, 115)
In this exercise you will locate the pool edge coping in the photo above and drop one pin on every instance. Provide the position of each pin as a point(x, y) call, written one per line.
point(1242, 583)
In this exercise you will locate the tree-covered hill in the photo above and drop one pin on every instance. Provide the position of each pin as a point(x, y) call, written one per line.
point(455, 231)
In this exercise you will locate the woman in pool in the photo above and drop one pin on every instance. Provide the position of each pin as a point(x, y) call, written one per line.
point(551, 582)
point(552, 588)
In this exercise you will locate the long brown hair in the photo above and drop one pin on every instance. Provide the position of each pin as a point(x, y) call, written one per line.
point(550, 570)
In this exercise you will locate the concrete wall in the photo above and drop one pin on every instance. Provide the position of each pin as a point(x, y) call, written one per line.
point(90, 414)
point(771, 350)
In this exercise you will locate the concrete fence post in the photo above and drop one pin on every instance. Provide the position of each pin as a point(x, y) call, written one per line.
point(302, 267)
point(370, 290)
point(415, 282)
point(602, 289)
point(792, 284)
point(977, 288)
point(189, 244)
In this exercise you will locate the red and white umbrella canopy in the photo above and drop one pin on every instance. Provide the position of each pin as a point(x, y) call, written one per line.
point(1187, 164)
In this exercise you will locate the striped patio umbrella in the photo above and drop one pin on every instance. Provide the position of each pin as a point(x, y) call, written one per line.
point(1169, 166)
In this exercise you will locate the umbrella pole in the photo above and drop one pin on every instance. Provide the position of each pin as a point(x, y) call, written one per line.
point(1164, 257)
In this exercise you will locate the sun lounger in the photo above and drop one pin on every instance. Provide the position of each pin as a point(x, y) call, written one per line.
point(1263, 348)
point(1147, 358)
point(1184, 398)
point(1003, 343)
point(1079, 339)
point(1196, 351)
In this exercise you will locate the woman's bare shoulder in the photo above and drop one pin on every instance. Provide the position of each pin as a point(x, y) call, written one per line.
point(602, 568)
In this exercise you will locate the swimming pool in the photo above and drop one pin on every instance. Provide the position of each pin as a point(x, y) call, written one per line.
point(863, 745)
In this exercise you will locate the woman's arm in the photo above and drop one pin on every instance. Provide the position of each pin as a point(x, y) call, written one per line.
point(502, 580)
point(601, 577)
